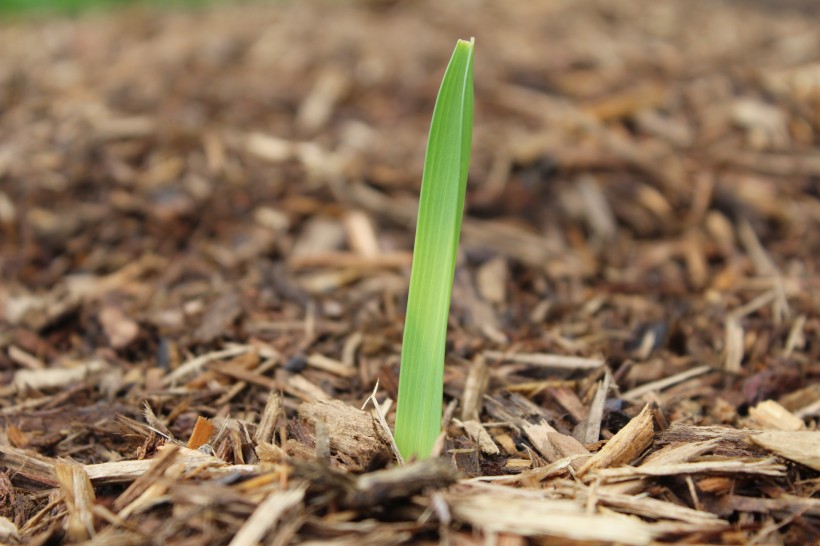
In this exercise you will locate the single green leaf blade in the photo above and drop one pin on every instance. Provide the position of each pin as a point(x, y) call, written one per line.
point(441, 207)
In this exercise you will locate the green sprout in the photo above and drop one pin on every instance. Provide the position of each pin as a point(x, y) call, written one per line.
point(441, 207)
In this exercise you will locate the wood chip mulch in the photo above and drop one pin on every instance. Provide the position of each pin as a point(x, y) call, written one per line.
point(206, 226)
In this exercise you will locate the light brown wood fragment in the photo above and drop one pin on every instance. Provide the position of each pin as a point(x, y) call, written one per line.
point(548, 360)
point(590, 429)
point(167, 456)
point(756, 467)
point(56, 377)
point(474, 388)
point(361, 235)
point(491, 280)
point(553, 445)
point(28, 464)
point(79, 498)
point(787, 503)
point(481, 437)
point(771, 415)
point(734, 345)
point(626, 445)
point(661, 384)
point(201, 434)
point(267, 421)
point(351, 430)
point(193, 366)
point(266, 515)
point(799, 446)
point(496, 509)
point(321, 362)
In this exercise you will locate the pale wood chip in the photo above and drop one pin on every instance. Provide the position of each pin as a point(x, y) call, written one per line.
point(756, 467)
point(474, 388)
point(79, 498)
point(771, 415)
point(321, 362)
point(50, 378)
point(799, 446)
point(495, 509)
point(193, 366)
point(638, 392)
point(548, 360)
point(480, 436)
point(267, 421)
point(351, 430)
point(589, 430)
point(266, 515)
point(626, 445)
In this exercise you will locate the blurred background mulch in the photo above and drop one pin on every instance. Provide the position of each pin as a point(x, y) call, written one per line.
point(201, 206)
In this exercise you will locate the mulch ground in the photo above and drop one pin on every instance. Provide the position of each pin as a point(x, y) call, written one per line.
point(206, 226)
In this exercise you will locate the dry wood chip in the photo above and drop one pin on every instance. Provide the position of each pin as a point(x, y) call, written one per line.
point(480, 436)
point(56, 377)
point(553, 445)
point(799, 446)
point(626, 445)
point(759, 467)
point(638, 392)
point(267, 421)
point(79, 499)
point(589, 430)
point(266, 515)
point(548, 360)
point(327, 364)
point(491, 281)
point(194, 365)
point(496, 509)
point(201, 434)
point(352, 432)
point(770, 414)
point(474, 389)
point(787, 503)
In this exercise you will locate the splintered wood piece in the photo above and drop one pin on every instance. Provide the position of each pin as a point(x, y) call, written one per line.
point(497, 509)
point(752, 467)
point(626, 445)
point(193, 366)
point(351, 431)
point(29, 465)
point(201, 434)
point(480, 436)
point(267, 421)
point(590, 429)
point(770, 414)
point(553, 445)
point(474, 388)
point(266, 516)
point(79, 498)
point(167, 456)
point(548, 360)
point(799, 446)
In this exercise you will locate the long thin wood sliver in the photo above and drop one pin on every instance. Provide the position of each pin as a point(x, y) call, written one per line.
point(660, 384)
point(548, 360)
point(266, 515)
